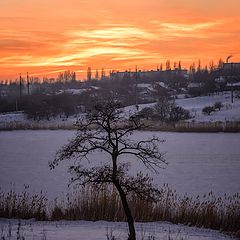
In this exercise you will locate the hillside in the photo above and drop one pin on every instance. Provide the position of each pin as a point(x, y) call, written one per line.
point(230, 112)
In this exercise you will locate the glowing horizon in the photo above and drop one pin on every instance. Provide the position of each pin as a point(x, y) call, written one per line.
point(46, 37)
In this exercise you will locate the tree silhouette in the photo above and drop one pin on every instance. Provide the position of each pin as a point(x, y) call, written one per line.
point(106, 130)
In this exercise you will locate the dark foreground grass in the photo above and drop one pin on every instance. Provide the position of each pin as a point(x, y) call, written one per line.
point(94, 204)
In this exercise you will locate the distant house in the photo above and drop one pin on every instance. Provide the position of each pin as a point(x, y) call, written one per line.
point(229, 76)
point(234, 67)
point(152, 75)
point(230, 72)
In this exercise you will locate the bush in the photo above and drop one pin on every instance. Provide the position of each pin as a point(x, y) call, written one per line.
point(146, 113)
point(218, 105)
point(178, 113)
point(45, 107)
point(208, 110)
point(168, 111)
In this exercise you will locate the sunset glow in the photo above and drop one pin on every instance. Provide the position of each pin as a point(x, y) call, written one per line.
point(44, 37)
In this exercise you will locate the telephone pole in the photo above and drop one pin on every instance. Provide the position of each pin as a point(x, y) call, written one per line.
point(231, 70)
point(20, 86)
point(136, 96)
point(28, 84)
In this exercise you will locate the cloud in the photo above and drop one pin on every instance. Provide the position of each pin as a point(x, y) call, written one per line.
point(114, 33)
point(192, 30)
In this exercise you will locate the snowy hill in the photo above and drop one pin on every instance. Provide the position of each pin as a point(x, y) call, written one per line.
point(229, 112)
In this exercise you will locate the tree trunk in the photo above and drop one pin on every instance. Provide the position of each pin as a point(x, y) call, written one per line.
point(132, 233)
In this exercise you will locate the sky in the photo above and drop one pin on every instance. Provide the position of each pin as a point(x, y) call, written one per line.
point(45, 37)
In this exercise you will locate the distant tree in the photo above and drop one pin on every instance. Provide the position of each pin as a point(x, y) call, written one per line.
point(160, 91)
point(89, 74)
point(220, 63)
point(211, 66)
point(162, 108)
point(66, 76)
point(166, 110)
point(175, 66)
point(161, 67)
point(179, 65)
point(97, 75)
point(192, 68)
point(168, 65)
point(105, 130)
point(146, 113)
point(178, 113)
point(199, 66)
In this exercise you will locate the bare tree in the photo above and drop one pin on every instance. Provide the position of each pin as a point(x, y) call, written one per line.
point(106, 130)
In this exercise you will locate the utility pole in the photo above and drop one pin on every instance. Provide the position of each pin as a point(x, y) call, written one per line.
point(136, 97)
point(20, 86)
point(231, 82)
point(28, 84)
point(231, 73)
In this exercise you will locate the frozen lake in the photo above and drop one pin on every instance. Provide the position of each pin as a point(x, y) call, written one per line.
point(197, 162)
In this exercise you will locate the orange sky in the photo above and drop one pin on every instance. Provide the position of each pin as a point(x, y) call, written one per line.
point(44, 37)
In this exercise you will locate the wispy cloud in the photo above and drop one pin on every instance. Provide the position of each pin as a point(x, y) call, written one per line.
point(193, 30)
point(35, 35)
point(114, 33)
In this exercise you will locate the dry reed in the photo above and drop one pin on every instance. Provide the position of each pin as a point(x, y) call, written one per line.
point(91, 203)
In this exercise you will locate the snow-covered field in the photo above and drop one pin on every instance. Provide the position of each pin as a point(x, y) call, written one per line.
point(85, 230)
point(21, 118)
point(229, 112)
point(197, 162)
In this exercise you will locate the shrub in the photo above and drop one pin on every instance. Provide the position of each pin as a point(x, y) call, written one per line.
point(146, 113)
point(178, 113)
point(168, 111)
point(218, 105)
point(208, 110)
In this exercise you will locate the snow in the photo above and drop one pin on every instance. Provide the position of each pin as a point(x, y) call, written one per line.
point(12, 117)
point(211, 158)
point(229, 112)
point(86, 230)
point(19, 118)
point(74, 91)
point(132, 109)
point(237, 84)
point(146, 86)
point(162, 84)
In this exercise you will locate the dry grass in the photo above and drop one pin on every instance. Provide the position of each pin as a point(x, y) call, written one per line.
point(23, 205)
point(181, 126)
point(95, 204)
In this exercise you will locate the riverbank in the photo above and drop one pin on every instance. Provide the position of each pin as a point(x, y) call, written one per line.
point(150, 126)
